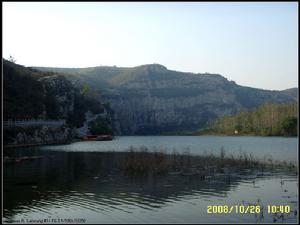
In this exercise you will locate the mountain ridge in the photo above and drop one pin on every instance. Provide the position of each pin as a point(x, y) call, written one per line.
point(79, 70)
point(151, 99)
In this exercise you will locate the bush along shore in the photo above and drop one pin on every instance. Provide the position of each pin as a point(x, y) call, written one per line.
point(144, 161)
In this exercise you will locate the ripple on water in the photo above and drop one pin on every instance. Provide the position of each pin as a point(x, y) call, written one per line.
point(120, 199)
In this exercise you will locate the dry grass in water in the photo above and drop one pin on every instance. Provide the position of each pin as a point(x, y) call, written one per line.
point(143, 161)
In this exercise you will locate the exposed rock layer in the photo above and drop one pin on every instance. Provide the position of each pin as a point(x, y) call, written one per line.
point(151, 99)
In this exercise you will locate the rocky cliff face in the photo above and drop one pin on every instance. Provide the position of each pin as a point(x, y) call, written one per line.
point(32, 94)
point(151, 99)
point(60, 96)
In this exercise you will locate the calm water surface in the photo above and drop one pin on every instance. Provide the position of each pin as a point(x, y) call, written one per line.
point(280, 148)
point(78, 181)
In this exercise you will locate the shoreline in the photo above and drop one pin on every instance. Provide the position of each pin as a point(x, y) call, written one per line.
point(241, 135)
point(9, 146)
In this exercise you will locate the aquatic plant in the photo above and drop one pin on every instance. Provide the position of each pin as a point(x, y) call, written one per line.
point(144, 161)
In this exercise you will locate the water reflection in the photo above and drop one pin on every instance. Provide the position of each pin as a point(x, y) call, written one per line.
point(61, 182)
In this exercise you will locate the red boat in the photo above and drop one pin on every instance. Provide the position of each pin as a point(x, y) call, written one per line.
point(106, 137)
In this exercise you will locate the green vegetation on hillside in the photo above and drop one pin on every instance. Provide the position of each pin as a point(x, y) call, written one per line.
point(23, 95)
point(267, 120)
point(100, 126)
point(29, 93)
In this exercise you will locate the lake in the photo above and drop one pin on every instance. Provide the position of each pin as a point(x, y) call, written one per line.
point(280, 148)
point(80, 183)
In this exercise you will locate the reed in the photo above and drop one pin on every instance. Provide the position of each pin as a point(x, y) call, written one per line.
point(145, 161)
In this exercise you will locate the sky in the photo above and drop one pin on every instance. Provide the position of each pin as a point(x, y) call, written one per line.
point(253, 44)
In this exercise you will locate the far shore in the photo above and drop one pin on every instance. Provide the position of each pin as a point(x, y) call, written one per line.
point(37, 144)
point(220, 134)
point(7, 146)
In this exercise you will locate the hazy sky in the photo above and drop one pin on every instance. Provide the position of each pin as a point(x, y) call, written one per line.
point(254, 44)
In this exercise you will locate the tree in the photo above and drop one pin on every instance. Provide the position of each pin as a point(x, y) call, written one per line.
point(289, 126)
point(268, 120)
point(100, 127)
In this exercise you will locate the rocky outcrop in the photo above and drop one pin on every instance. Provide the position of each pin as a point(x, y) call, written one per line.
point(32, 94)
point(90, 118)
point(62, 94)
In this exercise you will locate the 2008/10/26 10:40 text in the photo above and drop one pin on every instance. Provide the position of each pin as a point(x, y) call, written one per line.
point(242, 209)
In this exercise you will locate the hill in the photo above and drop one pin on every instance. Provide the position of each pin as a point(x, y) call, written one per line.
point(32, 94)
point(293, 92)
point(150, 99)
